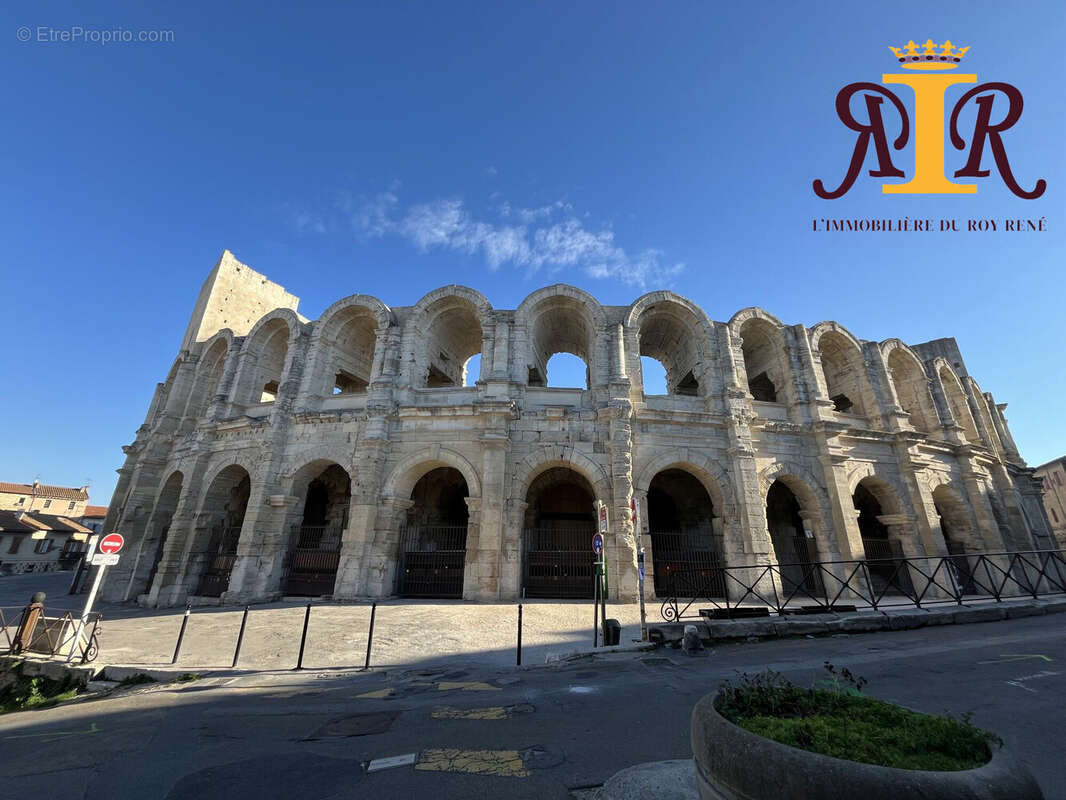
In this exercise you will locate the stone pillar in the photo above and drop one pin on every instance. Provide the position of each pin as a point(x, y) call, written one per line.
point(484, 565)
point(264, 544)
point(474, 568)
point(384, 549)
point(132, 521)
point(511, 549)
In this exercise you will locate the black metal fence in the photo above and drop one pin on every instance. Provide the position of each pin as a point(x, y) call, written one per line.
point(221, 555)
point(687, 563)
point(889, 582)
point(311, 566)
point(28, 630)
point(432, 561)
point(558, 561)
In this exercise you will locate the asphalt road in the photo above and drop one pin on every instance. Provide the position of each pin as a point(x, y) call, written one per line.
point(476, 732)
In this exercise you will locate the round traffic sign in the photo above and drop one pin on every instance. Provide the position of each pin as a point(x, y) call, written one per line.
point(111, 543)
point(597, 543)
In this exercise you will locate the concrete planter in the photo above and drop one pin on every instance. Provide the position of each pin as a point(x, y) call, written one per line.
point(735, 764)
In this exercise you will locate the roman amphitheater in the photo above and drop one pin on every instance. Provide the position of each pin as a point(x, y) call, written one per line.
point(348, 457)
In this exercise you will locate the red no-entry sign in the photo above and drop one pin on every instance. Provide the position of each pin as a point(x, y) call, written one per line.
point(111, 543)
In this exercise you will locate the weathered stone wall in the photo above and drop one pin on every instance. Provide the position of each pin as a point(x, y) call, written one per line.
point(911, 426)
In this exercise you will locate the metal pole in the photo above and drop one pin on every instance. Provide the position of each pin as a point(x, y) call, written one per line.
point(643, 610)
point(303, 638)
point(181, 633)
point(240, 639)
point(519, 663)
point(596, 608)
point(603, 602)
point(370, 635)
point(85, 612)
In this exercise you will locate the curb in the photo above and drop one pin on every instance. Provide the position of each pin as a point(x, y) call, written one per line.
point(859, 622)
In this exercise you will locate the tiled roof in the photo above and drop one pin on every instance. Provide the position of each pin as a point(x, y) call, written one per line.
point(34, 521)
point(43, 490)
point(95, 511)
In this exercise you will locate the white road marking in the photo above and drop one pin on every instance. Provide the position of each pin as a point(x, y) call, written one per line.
point(392, 761)
point(582, 689)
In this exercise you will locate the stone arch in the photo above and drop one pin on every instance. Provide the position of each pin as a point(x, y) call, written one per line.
point(984, 419)
point(955, 397)
point(846, 382)
point(449, 325)
point(765, 362)
point(212, 548)
point(676, 333)
point(314, 527)
point(795, 512)
point(956, 518)
point(344, 345)
point(886, 489)
point(714, 479)
point(910, 384)
point(810, 492)
point(562, 319)
point(208, 378)
point(545, 458)
point(266, 355)
point(403, 477)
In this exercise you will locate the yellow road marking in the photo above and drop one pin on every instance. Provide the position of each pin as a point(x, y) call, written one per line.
point(377, 694)
point(446, 712)
point(505, 763)
point(467, 686)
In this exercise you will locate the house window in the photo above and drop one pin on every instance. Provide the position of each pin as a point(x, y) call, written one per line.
point(42, 547)
point(47, 503)
point(21, 501)
point(1054, 516)
point(14, 547)
point(70, 506)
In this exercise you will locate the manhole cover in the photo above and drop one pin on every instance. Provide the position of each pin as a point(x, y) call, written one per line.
point(357, 725)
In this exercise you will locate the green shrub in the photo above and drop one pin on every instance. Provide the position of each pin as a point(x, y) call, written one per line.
point(835, 719)
point(35, 691)
point(136, 680)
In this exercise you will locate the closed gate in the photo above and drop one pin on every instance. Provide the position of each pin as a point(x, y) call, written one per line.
point(800, 578)
point(221, 555)
point(311, 566)
point(432, 559)
point(558, 561)
point(889, 573)
point(687, 564)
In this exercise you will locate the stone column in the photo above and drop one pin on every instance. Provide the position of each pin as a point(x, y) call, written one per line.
point(473, 572)
point(486, 563)
point(511, 549)
point(384, 550)
point(264, 544)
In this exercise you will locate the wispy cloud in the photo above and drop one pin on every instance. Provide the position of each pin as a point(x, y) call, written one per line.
point(547, 238)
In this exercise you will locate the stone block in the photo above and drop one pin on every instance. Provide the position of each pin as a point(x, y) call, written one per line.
point(865, 623)
point(1019, 610)
point(980, 614)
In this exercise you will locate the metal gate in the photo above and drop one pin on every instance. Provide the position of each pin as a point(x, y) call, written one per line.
point(432, 559)
point(221, 555)
point(558, 561)
point(687, 564)
point(800, 578)
point(311, 566)
point(889, 573)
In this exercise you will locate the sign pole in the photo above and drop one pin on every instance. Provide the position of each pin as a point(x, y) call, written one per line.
point(639, 536)
point(108, 555)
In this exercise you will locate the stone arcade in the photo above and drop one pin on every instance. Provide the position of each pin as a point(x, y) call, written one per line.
point(344, 456)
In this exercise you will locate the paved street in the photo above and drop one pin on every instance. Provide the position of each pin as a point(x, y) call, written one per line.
point(491, 732)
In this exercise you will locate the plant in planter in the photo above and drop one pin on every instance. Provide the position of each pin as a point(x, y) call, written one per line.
point(768, 738)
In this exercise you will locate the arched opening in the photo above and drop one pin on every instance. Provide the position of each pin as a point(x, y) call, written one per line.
point(433, 537)
point(960, 409)
point(883, 553)
point(472, 370)
point(453, 336)
point(793, 543)
point(208, 377)
point(315, 543)
point(686, 552)
point(351, 338)
point(955, 527)
point(566, 371)
point(670, 338)
point(764, 361)
point(912, 390)
point(223, 509)
point(559, 523)
point(561, 325)
point(845, 373)
point(165, 507)
point(269, 350)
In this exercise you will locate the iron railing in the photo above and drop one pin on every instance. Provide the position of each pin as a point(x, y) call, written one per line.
point(432, 561)
point(65, 636)
point(874, 583)
point(311, 566)
point(558, 561)
point(222, 554)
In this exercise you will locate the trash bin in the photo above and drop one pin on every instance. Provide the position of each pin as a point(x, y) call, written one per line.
point(613, 634)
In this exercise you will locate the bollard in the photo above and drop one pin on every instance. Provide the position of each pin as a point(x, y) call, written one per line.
point(240, 639)
point(31, 614)
point(519, 634)
point(370, 635)
point(303, 638)
point(181, 634)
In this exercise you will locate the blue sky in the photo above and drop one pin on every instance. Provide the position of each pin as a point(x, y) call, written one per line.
point(392, 149)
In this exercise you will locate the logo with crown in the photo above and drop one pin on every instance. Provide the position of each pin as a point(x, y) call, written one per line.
point(929, 58)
